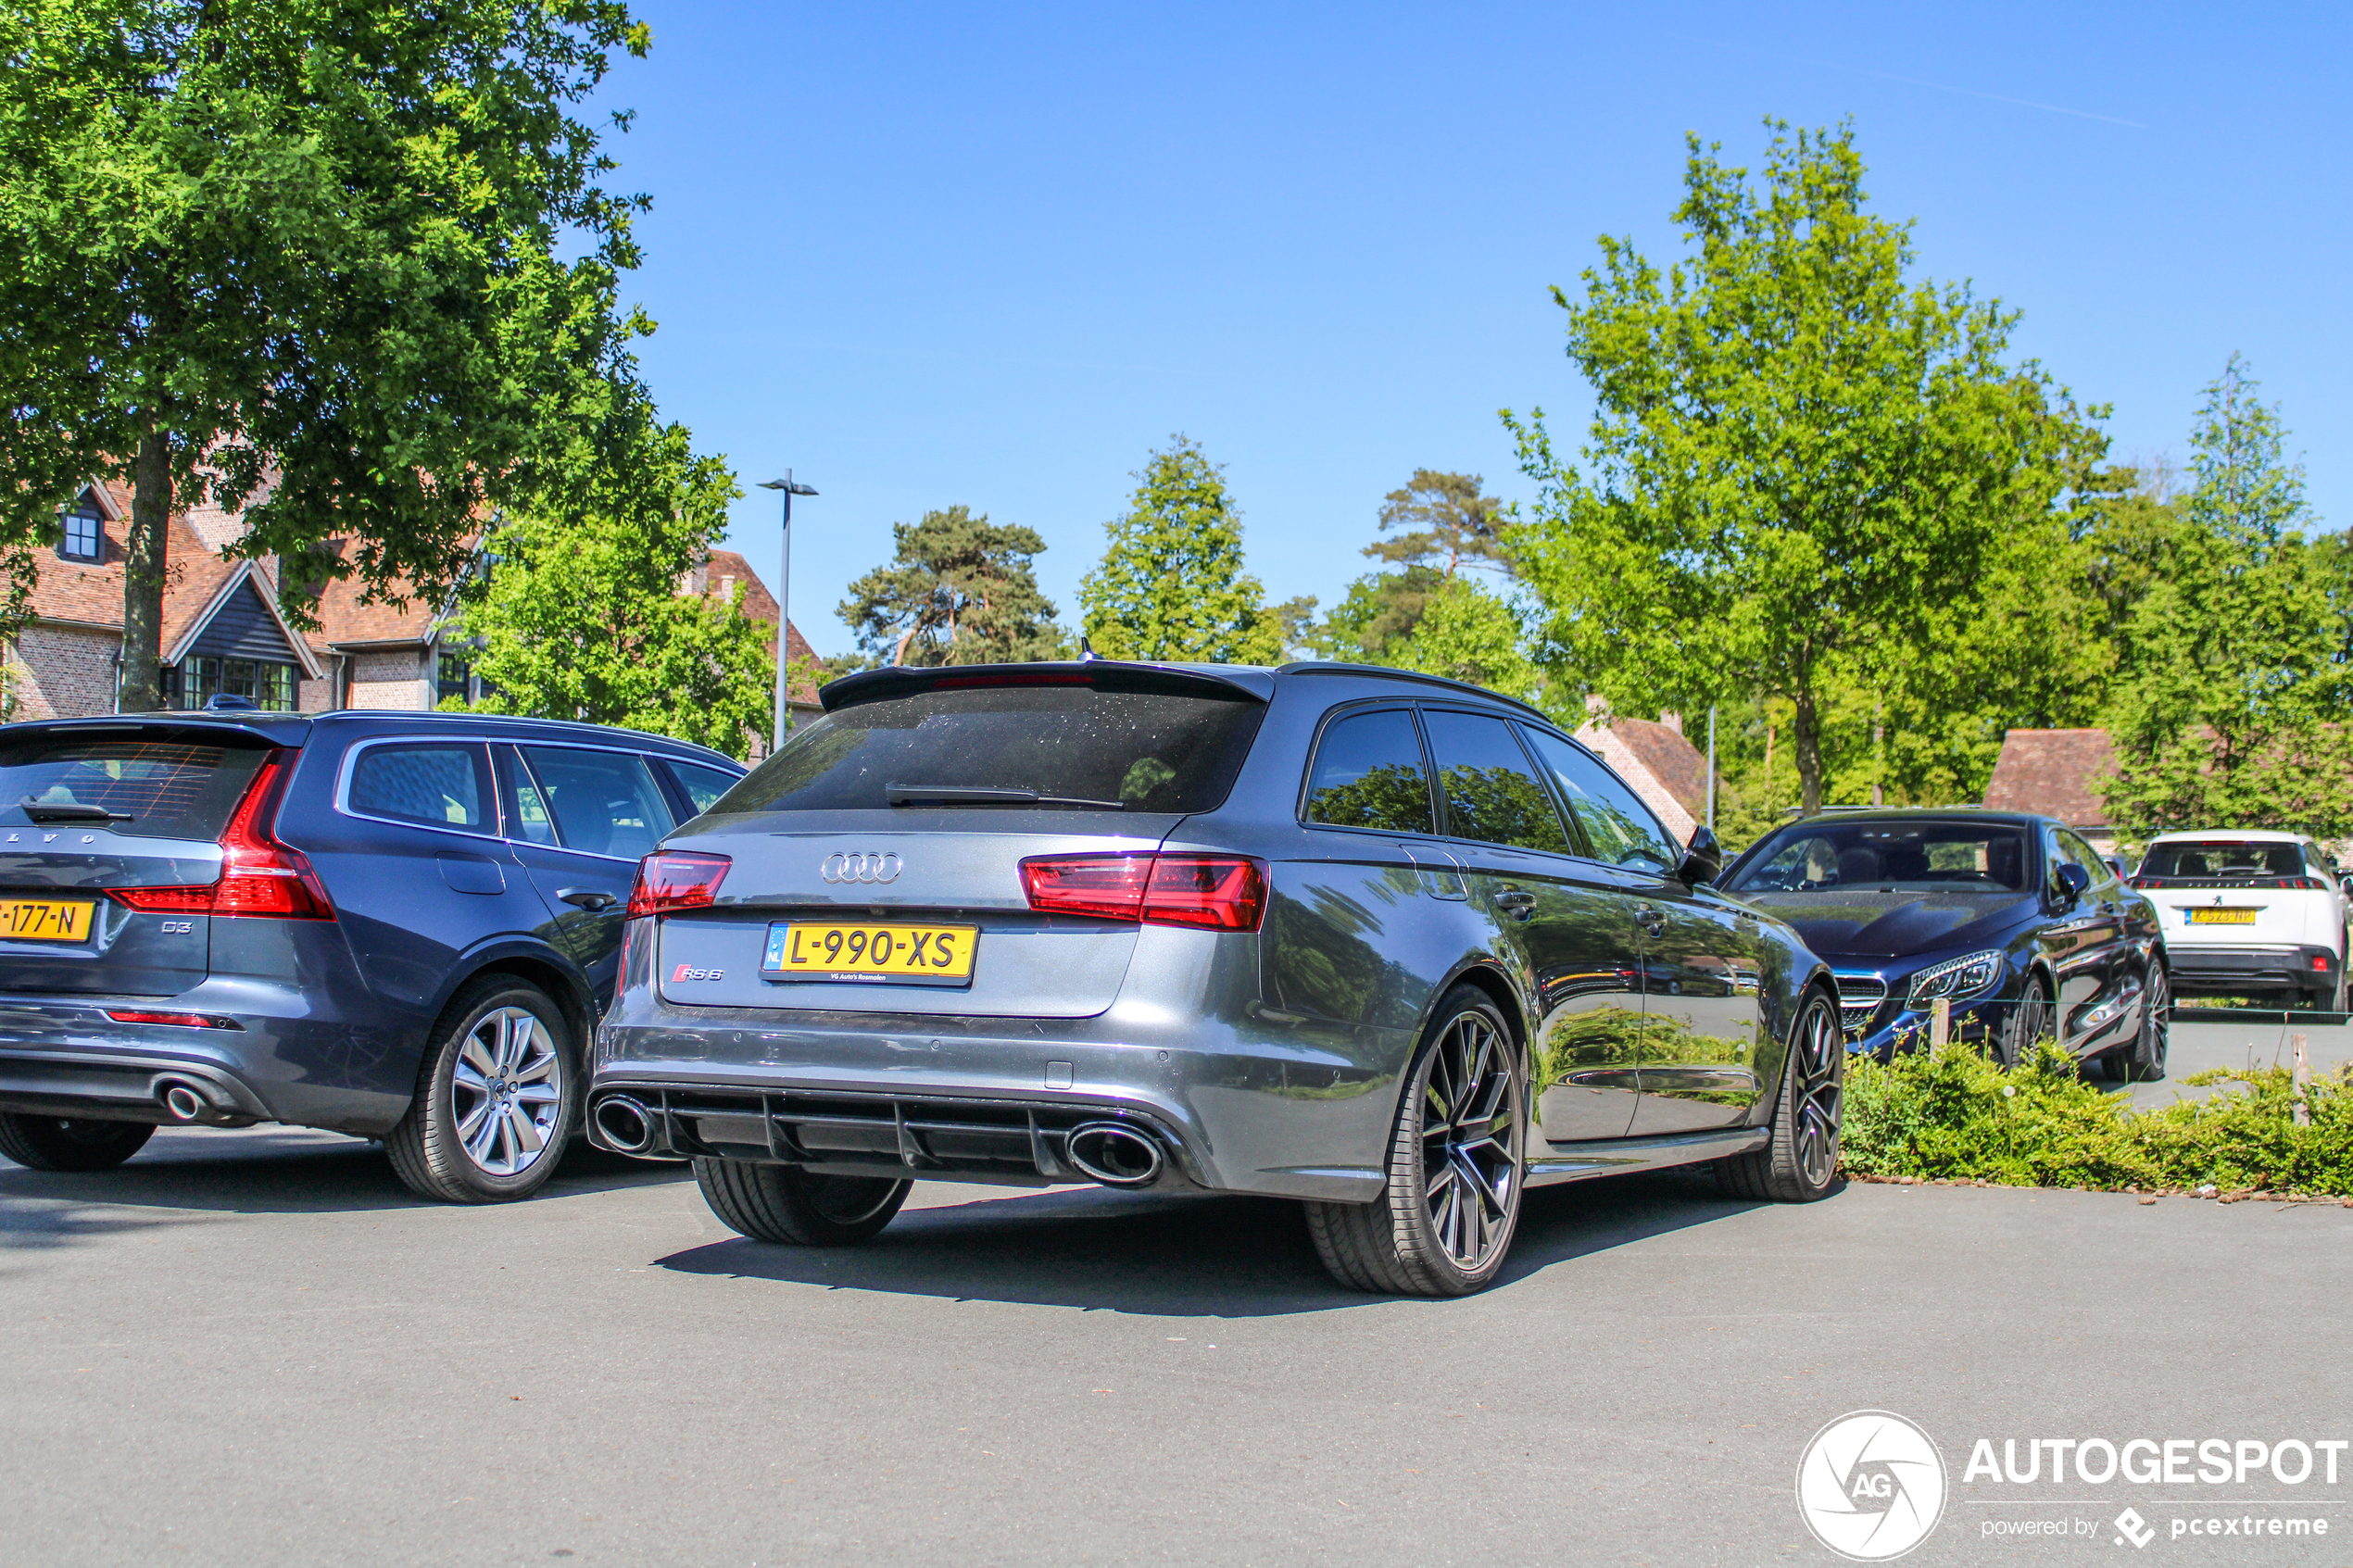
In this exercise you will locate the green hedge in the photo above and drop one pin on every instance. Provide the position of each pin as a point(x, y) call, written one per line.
point(1957, 1115)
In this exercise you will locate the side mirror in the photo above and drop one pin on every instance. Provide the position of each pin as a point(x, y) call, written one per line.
point(2074, 882)
point(1702, 859)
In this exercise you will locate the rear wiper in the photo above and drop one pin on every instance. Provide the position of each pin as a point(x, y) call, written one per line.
point(70, 811)
point(967, 794)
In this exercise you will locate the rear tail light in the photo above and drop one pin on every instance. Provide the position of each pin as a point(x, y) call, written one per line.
point(671, 880)
point(258, 874)
point(1209, 892)
point(180, 1019)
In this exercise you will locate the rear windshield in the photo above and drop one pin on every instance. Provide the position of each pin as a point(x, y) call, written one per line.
point(168, 788)
point(1898, 857)
point(1149, 751)
point(2222, 861)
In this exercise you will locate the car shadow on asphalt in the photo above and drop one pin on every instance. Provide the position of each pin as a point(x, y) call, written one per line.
point(260, 1171)
point(1179, 1256)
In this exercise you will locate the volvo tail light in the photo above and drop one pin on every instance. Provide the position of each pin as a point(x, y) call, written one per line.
point(1210, 892)
point(259, 875)
point(671, 880)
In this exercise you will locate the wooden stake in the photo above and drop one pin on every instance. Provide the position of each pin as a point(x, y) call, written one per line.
point(2302, 1104)
point(1940, 1023)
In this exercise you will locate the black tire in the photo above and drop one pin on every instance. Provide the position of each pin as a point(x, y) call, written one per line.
point(58, 1143)
point(2144, 1062)
point(2029, 1019)
point(1801, 1162)
point(785, 1205)
point(435, 1147)
point(1469, 1072)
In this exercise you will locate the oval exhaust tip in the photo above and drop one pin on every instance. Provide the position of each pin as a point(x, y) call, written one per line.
point(625, 1125)
point(182, 1103)
point(1115, 1154)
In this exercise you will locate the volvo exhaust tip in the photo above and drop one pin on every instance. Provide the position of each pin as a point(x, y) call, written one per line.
point(182, 1100)
point(625, 1125)
point(1115, 1154)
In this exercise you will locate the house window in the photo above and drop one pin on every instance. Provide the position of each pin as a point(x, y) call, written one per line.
point(261, 682)
point(454, 678)
point(85, 530)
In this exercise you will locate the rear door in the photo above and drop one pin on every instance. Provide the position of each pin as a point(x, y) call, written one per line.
point(112, 808)
point(1574, 920)
point(581, 819)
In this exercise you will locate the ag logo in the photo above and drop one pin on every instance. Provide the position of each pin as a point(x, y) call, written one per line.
point(1870, 1486)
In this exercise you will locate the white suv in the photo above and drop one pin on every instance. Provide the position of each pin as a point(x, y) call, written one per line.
point(2247, 912)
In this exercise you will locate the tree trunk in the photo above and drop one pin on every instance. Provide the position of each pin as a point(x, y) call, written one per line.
point(143, 573)
point(1805, 744)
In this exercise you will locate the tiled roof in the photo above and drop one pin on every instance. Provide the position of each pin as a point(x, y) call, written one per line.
point(726, 570)
point(90, 592)
point(2055, 772)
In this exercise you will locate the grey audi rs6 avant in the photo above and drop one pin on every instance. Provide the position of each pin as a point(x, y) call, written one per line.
point(1390, 946)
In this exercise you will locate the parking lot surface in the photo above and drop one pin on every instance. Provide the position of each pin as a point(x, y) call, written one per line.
point(257, 1349)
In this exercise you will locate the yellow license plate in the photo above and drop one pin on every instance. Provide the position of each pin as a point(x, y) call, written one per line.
point(894, 955)
point(44, 919)
point(2222, 917)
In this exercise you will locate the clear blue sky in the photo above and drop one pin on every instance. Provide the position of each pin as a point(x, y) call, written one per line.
point(991, 254)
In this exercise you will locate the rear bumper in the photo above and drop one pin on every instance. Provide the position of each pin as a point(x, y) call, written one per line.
point(63, 1055)
point(2201, 970)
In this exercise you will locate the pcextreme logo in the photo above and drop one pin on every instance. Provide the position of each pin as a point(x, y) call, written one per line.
point(1870, 1486)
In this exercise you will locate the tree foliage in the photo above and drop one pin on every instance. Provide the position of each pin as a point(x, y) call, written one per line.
point(582, 616)
point(1443, 522)
point(1171, 584)
point(2230, 708)
point(301, 255)
point(1804, 470)
point(960, 590)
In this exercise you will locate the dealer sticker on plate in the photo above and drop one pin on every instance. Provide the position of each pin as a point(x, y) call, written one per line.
point(871, 954)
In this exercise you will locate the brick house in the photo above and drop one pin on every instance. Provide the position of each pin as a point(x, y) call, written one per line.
point(2058, 773)
point(1666, 770)
point(223, 632)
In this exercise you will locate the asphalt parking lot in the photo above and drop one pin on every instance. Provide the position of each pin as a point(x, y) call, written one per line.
point(256, 1348)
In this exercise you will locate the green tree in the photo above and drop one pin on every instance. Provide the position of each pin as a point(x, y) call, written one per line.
point(2230, 707)
point(1171, 586)
point(1803, 468)
point(582, 615)
point(300, 255)
point(960, 590)
point(1445, 522)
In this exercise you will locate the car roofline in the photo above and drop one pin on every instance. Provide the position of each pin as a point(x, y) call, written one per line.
point(1341, 666)
point(575, 727)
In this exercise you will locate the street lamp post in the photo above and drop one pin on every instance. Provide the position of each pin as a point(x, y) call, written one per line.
point(783, 603)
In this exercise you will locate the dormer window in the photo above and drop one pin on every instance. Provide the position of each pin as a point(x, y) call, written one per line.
point(85, 530)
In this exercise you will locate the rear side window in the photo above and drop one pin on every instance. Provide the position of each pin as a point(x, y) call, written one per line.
point(703, 786)
point(1369, 773)
point(1491, 794)
point(440, 785)
point(167, 789)
point(1147, 751)
point(604, 802)
point(1617, 824)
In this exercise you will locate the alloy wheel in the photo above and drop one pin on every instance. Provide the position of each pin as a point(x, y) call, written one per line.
point(2157, 1025)
point(1820, 1086)
point(509, 1078)
point(1471, 1142)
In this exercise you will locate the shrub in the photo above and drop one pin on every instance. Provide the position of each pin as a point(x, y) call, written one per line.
point(1953, 1113)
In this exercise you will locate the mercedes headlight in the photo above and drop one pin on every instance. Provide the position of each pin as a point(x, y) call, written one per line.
point(1957, 978)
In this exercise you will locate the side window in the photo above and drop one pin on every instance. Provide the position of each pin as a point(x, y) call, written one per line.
point(2068, 850)
point(703, 786)
point(1617, 824)
point(604, 802)
point(1491, 794)
point(2103, 874)
point(1369, 773)
point(434, 784)
point(526, 808)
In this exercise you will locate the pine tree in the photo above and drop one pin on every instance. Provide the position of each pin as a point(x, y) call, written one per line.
point(960, 590)
point(1171, 586)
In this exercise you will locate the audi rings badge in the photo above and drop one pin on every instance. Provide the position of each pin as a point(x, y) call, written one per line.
point(839, 867)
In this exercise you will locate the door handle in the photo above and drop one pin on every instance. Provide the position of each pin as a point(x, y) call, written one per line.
point(590, 898)
point(1519, 905)
point(1650, 921)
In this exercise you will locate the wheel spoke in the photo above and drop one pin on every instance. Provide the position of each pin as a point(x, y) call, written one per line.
point(533, 1072)
point(464, 1074)
point(526, 1131)
point(482, 1061)
point(467, 1128)
point(485, 1136)
point(539, 1093)
point(1439, 1183)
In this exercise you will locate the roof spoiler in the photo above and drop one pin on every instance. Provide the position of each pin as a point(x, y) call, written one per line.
point(1231, 683)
